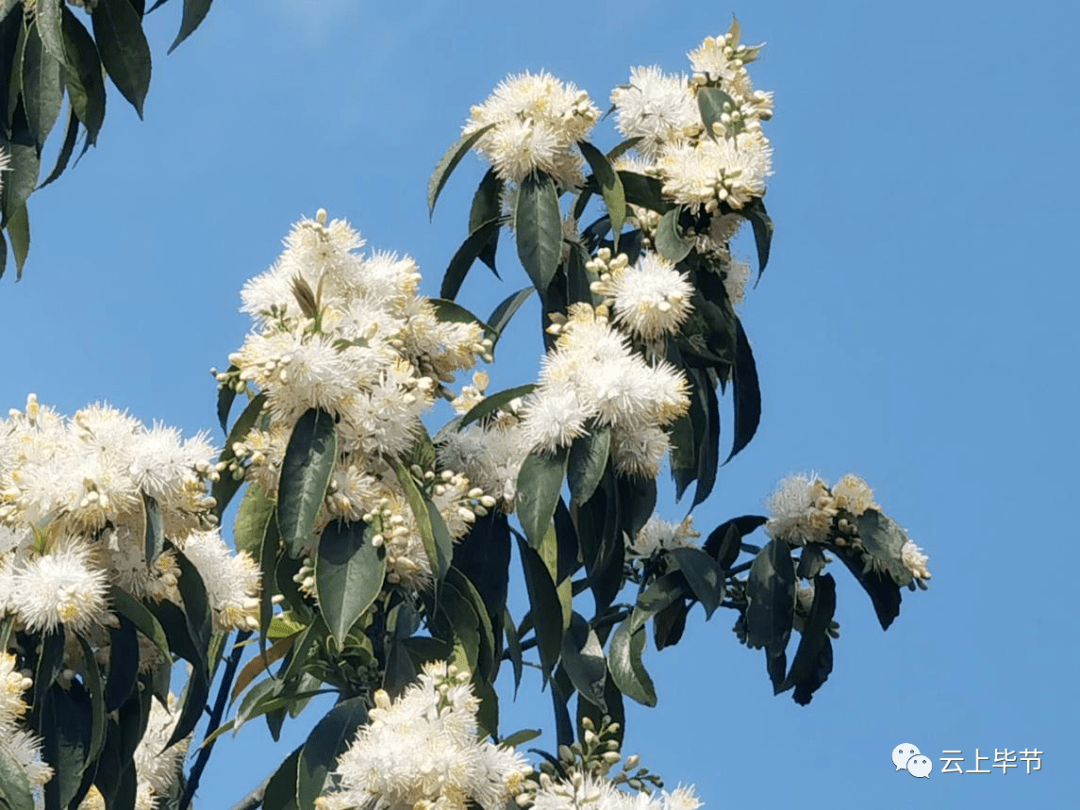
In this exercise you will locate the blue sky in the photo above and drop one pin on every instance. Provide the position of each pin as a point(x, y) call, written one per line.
point(916, 326)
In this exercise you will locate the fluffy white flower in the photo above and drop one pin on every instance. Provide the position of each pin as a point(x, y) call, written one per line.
point(853, 494)
point(421, 751)
point(12, 685)
point(232, 581)
point(60, 587)
point(658, 534)
point(914, 560)
point(710, 172)
point(657, 107)
point(157, 766)
point(490, 456)
point(597, 793)
point(553, 417)
point(24, 749)
point(637, 452)
point(537, 120)
point(801, 510)
point(651, 299)
point(736, 275)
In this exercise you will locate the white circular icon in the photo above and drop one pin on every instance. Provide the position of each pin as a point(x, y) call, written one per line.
point(920, 766)
point(902, 753)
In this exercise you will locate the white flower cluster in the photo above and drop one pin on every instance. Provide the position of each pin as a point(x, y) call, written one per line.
point(421, 752)
point(804, 509)
point(594, 378)
point(73, 521)
point(700, 169)
point(19, 746)
point(537, 121)
point(347, 333)
point(590, 791)
point(650, 299)
point(660, 535)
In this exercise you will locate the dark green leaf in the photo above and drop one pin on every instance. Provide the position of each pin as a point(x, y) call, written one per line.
point(669, 624)
point(280, 793)
point(538, 227)
point(82, 74)
point(583, 658)
point(466, 255)
point(227, 486)
point(465, 624)
point(561, 692)
point(452, 312)
point(327, 741)
point(67, 720)
point(252, 518)
point(588, 458)
point(19, 232)
point(155, 534)
point(487, 205)
point(625, 666)
point(197, 612)
point(133, 610)
point(746, 393)
point(644, 191)
point(725, 540)
point(670, 242)
point(195, 12)
point(812, 562)
point(711, 101)
point(123, 664)
point(494, 402)
point(49, 24)
point(305, 475)
point(703, 574)
point(546, 606)
point(884, 540)
point(513, 648)
point(883, 591)
point(486, 651)
point(763, 230)
point(123, 48)
point(225, 398)
point(502, 314)
point(519, 738)
point(349, 573)
point(578, 278)
point(610, 186)
point(12, 42)
point(50, 663)
point(429, 522)
point(42, 91)
point(448, 162)
point(97, 701)
point(15, 790)
point(813, 659)
point(661, 593)
point(770, 591)
point(538, 486)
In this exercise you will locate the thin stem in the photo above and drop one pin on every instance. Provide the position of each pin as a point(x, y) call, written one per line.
point(220, 703)
point(738, 569)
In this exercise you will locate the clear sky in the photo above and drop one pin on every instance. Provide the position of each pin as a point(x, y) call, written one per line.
point(916, 326)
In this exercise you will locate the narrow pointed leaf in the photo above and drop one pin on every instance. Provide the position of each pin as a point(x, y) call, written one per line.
point(610, 186)
point(97, 701)
point(644, 191)
point(763, 230)
point(280, 793)
point(49, 24)
point(670, 242)
point(67, 148)
point(195, 12)
point(349, 573)
point(327, 741)
point(123, 48)
point(546, 606)
point(501, 315)
point(711, 101)
point(432, 528)
point(538, 227)
point(305, 475)
point(82, 75)
point(487, 205)
point(584, 661)
point(467, 255)
point(626, 667)
point(19, 232)
point(588, 459)
point(813, 659)
point(145, 622)
point(770, 590)
point(746, 393)
point(538, 486)
point(494, 402)
point(42, 90)
point(253, 516)
point(453, 312)
point(704, 576)
point(448, 162)
point(155, 533)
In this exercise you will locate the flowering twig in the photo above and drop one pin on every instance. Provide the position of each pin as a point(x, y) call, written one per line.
point(215, 718)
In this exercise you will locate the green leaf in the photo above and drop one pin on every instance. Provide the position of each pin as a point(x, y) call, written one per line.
point(486, 632)
point(465, 623)
point(625, 666)
point(42, 92)
point(746, 393)
point(502, 314)
point(123, 664)
point(578, 278)
point(770, 591)
point(226, 486)
point(432, 528)
point(813, 660)
point(724, 542)
point(145, 622)
point(327, 741)
point(123, 48)
point(644, 191)
point(711, 101)
point(155, 534)
point(15, 792)
point(97, 702)
point(538, 486)
point(280, 793)
point(252, 518)
point(197, 612)
point(519, 738)
point(486, 206)
point(65, 731)
point(453, 312)
point(82, 75)
point(546, 607)
point(661, 593)
point(12, 43)
point(349, 573)
point(588, 459)
point(703, 574)
point(19, 232)
point(669, 624)
point(670, 243)
point(225, 398)
point(513, 648)
point(538, 226)
point(67, 148)
point(494, 402)
point(884, 540)
point(195, 12)
point(466, 255)
point(763, 230)
point(448, 162)
point(583, 658)
point(610, 186)
point(305, 475)
point(49, 23)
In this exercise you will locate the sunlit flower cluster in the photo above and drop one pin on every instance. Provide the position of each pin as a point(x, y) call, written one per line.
point(421, 752)
point(804, 509)
point(157, 764)
point(594, 378)
point(346, 332)
point(592, 792)
point(535, 120)
point(660, 535)
point(74, 501)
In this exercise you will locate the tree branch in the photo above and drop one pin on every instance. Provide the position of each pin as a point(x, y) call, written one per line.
point(220, 703)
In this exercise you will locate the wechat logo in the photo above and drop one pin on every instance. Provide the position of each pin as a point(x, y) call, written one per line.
point(907, 757)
